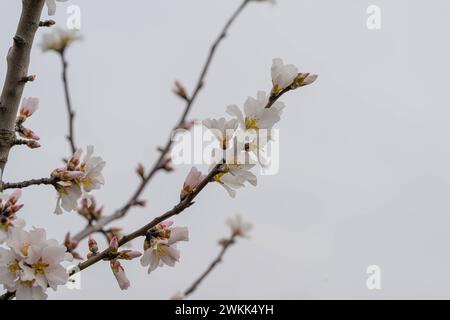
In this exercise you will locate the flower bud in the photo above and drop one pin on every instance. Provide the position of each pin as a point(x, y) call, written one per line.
point(114, 245)
point(93, 247)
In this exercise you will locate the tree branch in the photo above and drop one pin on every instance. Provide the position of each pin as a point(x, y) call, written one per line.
point(118, 214)
point(177, 209)
point(29, 183)
point(229, 242)
point(70, 112)
point(18, 61)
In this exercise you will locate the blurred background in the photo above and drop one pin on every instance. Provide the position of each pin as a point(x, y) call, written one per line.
point(364, 161)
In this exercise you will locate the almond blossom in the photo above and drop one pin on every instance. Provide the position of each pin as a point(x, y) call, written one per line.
point(59, 39)
point(32, 263)
point(77, 179)
point(238, 226)
point(256, 116)
point(193, 179)
point(160, 245)
point(229, 182)
point(222, 129)
point(282, 75)
point(51, 6)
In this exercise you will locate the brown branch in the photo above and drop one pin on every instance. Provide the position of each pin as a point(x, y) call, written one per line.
point(70, 112)
point(47, 23)
point(227, 244)
point(159, 164)
point(177, 209)
point(18, 61)
point(29, 183)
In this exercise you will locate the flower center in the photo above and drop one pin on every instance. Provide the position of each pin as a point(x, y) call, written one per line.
point(39, 267)
point(14, 267)
point(251, 123)
point(161, 250)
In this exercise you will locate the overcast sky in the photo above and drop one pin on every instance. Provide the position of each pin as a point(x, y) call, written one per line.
point(364, 159)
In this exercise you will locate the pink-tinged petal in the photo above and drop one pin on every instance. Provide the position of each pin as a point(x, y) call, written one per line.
point(114, 244)
point(179, 234)
point(129, 254)
point(120, 275)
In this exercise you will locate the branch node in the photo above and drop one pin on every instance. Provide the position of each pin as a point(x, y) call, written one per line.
point(29, 78)
point(18, 40)
point(47, 23)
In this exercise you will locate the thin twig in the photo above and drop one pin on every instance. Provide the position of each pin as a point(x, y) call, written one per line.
point(227, 244)
point(118, 214)
point(70, 112)
point(29, 183)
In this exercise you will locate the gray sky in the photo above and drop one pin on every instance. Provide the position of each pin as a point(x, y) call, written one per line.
point(365, 165)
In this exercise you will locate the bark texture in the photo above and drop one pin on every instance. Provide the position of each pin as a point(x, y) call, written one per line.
point(18, 61)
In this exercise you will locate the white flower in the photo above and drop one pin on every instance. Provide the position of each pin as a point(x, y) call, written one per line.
point(242, 171)
point(92, 168)
point(233, 176)
point(160, 246)
point(77, 179)
point(193, 179)
point(58, 39)
point(43, 265)
point(282, 75)
point(51, 5)
point(229, 182)
point(304, 79)
point(256, 116)
point(68, 196)
point(7, 227)
point(238, 226)
point(223, 129)
point(32, 264)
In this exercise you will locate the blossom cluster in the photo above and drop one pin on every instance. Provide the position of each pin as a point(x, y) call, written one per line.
point(242, 140)
point(31, 263)
point(77, 179)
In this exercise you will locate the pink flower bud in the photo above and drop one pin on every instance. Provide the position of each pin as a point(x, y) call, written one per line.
point(15, 196)
point(33, 144)
point(114, 244)
point(16, 208)
point(93, 247)
point(120, 275)
point(29, 134)
point(29, 106)
point(193, 179)
point(74, 160)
